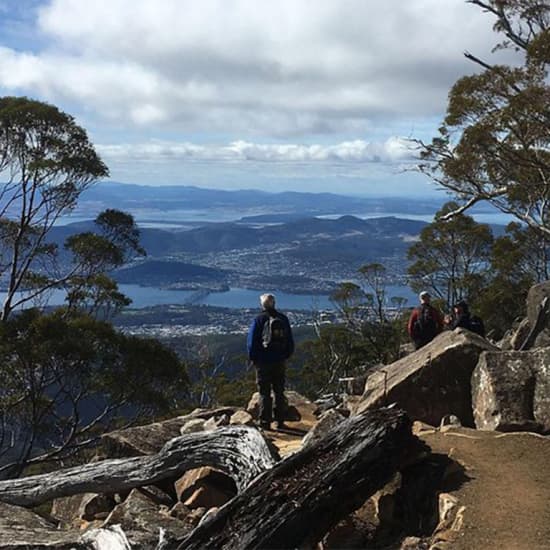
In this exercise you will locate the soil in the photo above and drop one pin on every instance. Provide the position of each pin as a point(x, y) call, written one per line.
point(506, 489)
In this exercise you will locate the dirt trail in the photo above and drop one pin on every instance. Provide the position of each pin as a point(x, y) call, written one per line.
point(507, 492)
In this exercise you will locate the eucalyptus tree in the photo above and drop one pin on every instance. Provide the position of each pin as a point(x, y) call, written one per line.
point(494, 143)
point(452, 257)
point(46, 163)
point(66, 375)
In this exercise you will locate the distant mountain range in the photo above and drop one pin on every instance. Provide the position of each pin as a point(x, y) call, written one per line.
point(131, 197)
point(216, 237)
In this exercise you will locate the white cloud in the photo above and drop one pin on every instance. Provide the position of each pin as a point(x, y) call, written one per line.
point(255, 68)
point(394, 150)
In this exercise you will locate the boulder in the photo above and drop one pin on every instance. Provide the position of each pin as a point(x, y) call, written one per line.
point(150, 438)
point(207, 480)
point(299, 408)
point(432, 382)
point(535, 298)
point(520, 334)
point(511, 391)
point(88, 507)
point(21, 528)
point(242, 417)
point(140, 518)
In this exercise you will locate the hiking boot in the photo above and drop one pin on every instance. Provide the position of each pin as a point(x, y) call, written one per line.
point(265, 425)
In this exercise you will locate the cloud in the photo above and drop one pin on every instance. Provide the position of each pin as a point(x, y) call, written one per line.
point(394, 150)
point(279, 69)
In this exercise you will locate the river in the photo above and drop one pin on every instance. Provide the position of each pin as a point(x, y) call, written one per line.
point(236, 298)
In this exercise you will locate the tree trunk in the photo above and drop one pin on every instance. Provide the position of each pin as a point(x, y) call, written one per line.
point(239, 451)
point(300, 499)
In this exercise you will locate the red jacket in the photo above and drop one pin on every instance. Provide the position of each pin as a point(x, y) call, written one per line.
point(416, 312)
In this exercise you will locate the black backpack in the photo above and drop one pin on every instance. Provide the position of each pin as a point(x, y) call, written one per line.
point(476, 325)
point(275, 335)
point(425, 326)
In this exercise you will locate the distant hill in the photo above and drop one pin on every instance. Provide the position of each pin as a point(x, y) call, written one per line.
point(161, 273)
point(181, 197)
point(234, 236)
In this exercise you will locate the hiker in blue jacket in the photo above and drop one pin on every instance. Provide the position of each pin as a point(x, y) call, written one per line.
point(270, 344)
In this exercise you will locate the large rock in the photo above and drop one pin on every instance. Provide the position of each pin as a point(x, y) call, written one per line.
point(535, 298)
point(141, 519)
point(208, 481)
point(150, 438)
point(511, 391)
point(432, 382)
point(21, 528)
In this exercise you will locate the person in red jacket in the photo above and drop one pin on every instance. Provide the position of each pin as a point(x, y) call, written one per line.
point(425, 322)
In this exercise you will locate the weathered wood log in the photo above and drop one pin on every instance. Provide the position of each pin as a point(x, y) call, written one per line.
point(300, 499)
point(239, 451)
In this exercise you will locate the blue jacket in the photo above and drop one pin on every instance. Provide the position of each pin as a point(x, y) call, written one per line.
point(256, 352)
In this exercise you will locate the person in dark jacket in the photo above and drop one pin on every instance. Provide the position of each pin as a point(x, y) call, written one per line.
point(463, 318)
point(461, 315)
point(270, 343)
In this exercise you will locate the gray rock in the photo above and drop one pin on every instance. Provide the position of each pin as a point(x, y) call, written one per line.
point(511, 391)
point(21, 528)
point(141, 519)
point(535, 297)
point(432, 382)
point(150, 438)
point(520, 334)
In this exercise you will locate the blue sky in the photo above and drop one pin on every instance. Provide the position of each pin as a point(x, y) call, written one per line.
point(308, 95)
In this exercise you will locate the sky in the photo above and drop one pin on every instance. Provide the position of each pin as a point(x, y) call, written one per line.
point(304, 95)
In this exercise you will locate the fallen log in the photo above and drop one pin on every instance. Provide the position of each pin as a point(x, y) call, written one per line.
point(300, 499)
point(239, 451)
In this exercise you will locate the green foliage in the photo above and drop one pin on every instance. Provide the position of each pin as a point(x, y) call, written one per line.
point(238, 390)
point(451, 259)
point(494, 142)
point(46, 162)
point(519, 259)
point(367, 336)
point(67, 376)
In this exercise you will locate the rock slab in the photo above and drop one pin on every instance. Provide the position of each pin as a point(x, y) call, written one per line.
point(511, 391)
point(432, 382)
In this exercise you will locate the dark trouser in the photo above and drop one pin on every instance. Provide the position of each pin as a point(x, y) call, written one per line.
point(268, 377)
